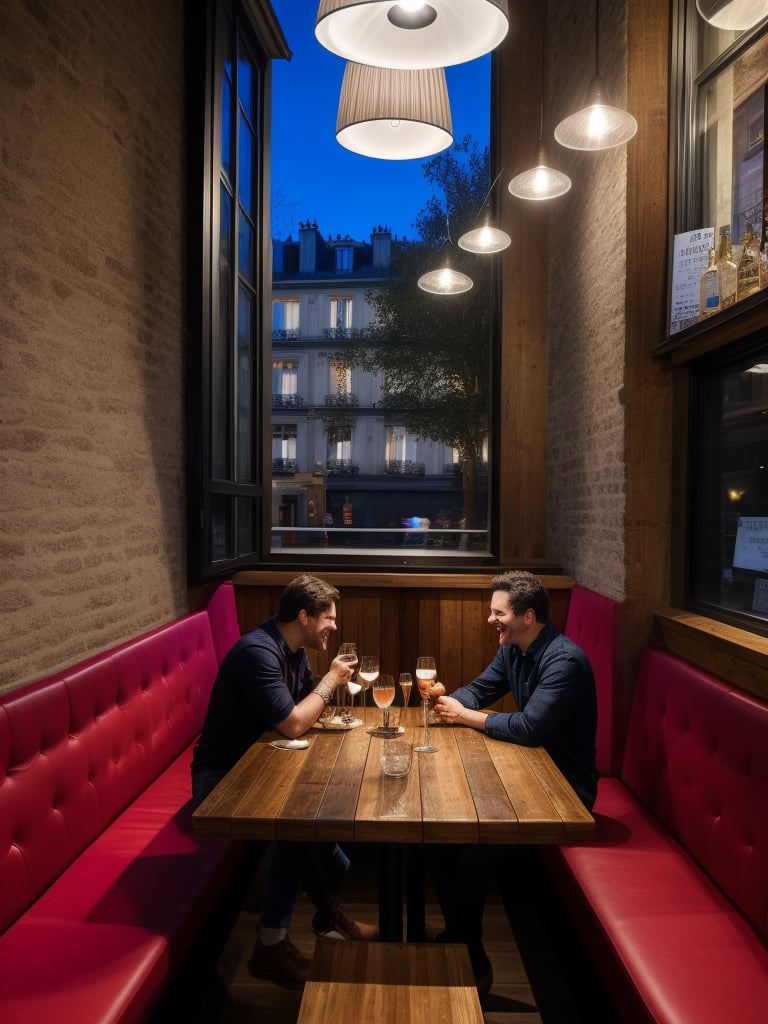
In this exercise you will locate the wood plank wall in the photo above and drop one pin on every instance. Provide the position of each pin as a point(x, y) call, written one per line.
point(402, 617)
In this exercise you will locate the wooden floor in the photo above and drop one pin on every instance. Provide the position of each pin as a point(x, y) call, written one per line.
point(542, 975)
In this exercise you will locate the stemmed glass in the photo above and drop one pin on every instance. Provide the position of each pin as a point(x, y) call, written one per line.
point(383, 688)
point(426, 673)
point(369, 672)
point(348, 654)
point(406, 683)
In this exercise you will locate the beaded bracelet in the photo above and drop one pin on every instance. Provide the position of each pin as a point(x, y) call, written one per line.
point(324, 691)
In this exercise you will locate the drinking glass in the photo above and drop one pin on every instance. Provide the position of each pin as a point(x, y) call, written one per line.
point(383, 688)
point(396, 757)
point(369, 673)
point(348, 653)
point(426, 673)
point(406, 683)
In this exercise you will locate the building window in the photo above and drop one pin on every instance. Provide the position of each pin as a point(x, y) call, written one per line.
point(285, 319)
point(340, 445)
point(285, 377)
point(340, 381)
point(345, 259)
point(341, 313)
point(400, 447)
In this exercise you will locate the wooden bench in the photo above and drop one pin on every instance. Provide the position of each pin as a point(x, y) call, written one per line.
point(421, 983)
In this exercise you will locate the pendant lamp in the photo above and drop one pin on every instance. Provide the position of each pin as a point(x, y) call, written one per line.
point(486, 238)
point(737, 15)
point(445, 281)
point(393, 114)
point(541, 181)
point(411, 33)
point(598, 125)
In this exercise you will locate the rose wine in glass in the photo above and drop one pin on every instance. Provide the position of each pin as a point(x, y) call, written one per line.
point(426, 673)
point(369, 673)
point(406, 684)
point(383, 688)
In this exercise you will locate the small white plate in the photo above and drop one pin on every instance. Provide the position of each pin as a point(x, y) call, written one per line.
point(290, 744)
point(337, 724)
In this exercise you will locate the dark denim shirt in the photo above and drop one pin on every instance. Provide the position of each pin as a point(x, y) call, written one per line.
point(258, 684)
point(554, 689)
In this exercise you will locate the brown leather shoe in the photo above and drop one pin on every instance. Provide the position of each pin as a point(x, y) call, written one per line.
point(342, 927)
point(282, 963)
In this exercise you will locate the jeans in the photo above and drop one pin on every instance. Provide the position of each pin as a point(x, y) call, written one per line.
point(319, 867)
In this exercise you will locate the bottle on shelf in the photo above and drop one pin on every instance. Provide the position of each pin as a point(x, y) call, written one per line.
point(748, 271)
point(709, 288)
point(763, 270)
point(726, 269)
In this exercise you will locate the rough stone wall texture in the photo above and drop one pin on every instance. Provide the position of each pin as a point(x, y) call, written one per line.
point(586, 472)
point(92, 535)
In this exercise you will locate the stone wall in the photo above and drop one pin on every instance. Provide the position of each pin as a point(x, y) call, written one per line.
point(92, 537)
point(586, 449)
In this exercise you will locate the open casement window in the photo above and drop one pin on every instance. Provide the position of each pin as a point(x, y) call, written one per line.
point(231, 44)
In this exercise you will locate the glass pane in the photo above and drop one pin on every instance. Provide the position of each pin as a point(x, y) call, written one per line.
point(220, 363)
point(245, 87)
point(244, 529)
point(246, 150)
point(245, 249)
point(220, 527)
point(226, 127)
point(729, 522)
point(244, 394)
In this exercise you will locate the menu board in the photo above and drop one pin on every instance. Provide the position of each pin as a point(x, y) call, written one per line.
point(751, 548)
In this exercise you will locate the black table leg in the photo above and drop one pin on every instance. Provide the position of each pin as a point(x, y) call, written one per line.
point(391, 892)
point(415, 891)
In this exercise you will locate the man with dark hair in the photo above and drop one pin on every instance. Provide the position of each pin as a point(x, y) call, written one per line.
point(552, 683)
point(265, 682)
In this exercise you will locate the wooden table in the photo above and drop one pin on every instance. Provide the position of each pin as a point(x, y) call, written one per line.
point(472, 790)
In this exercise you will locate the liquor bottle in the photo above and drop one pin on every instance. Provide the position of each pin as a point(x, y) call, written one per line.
point(764, 266)
point(748, 271)
point(726, 268)
point(709, 289)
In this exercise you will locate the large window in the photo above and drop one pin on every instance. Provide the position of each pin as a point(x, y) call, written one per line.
point(229, 57)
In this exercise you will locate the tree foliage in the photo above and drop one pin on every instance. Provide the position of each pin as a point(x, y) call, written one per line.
point(433, 351)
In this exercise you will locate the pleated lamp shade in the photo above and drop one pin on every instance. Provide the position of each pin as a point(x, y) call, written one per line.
point(736, 15)
point(394, 114)
point(409, 33)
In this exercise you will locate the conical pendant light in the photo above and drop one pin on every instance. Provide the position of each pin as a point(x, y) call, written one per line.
point(735, 15)
point(541, 181)
point(598, 125)
point(411, 33)
point(445, 280)
point(486, 238)
point(393, 114)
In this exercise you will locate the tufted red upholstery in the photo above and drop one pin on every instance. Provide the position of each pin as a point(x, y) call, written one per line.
point(672, 896)
point(102, 883)
point(592, 622)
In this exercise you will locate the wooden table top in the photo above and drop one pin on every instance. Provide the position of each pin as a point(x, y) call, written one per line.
point(472, 790)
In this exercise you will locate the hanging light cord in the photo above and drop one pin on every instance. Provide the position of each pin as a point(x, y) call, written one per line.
point(597, 36)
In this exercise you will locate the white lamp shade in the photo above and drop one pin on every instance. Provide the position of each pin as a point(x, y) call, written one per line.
point(393, 114)
point(540, 181)
point(598, 125)
point(445, 281)
point(485, 239)
point(410, 34)
point(736, 15)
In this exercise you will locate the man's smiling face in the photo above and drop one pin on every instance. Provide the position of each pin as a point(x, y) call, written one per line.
point(319, 627)
point(509, 627)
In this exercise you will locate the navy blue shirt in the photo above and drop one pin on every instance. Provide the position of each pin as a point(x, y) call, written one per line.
point(554, 689)
point(258, 684)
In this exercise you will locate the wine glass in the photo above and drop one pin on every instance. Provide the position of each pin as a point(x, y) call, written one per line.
point(426, 673)
point(348, 654)
point(383, 688)
point(369, 672)
point(406, 683)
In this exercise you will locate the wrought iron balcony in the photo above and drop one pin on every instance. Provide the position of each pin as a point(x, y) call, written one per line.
point(342, 333)
point(337, 401)
point(287, 401)
point(284, 467)
point(287, 334)
point(341, 467)
point(404, 467)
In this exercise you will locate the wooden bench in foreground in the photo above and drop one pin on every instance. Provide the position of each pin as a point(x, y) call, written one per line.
point(416, 982)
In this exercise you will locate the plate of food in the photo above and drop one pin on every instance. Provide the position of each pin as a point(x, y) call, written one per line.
point(338, 723)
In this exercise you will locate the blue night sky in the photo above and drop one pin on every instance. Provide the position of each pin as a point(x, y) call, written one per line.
point(316, 179)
